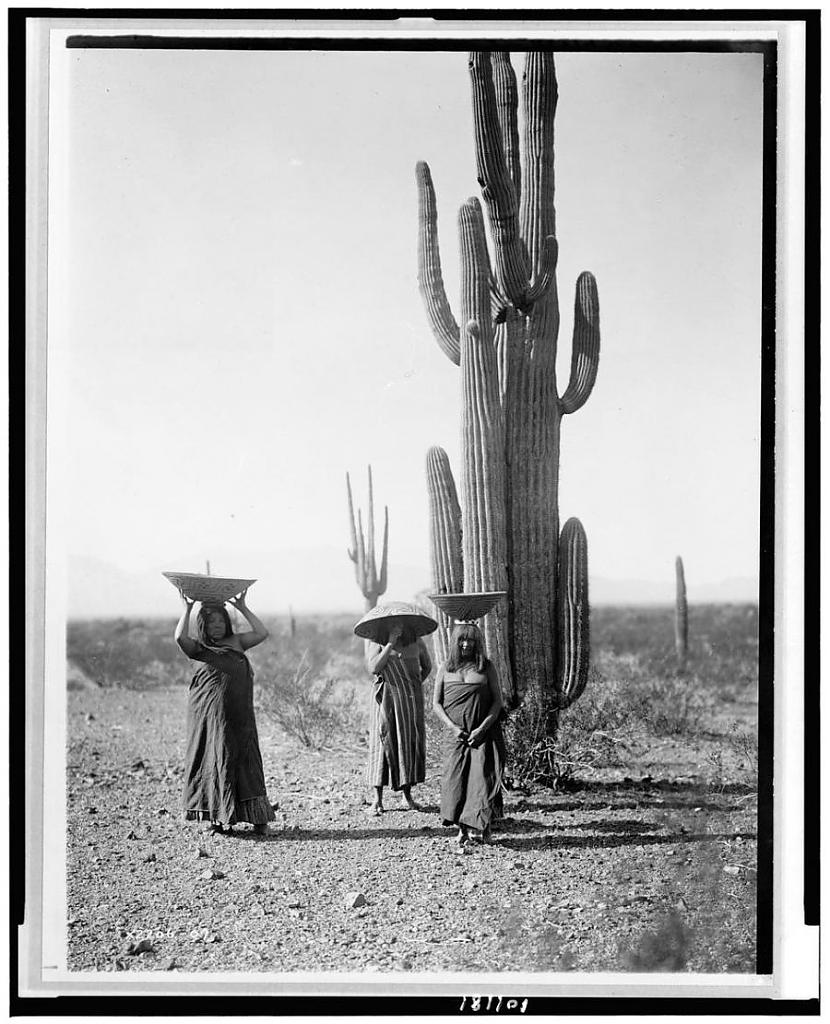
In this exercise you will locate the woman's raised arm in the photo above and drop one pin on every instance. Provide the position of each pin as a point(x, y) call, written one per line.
point(186, 643)
point(379, 655)
point(257, 632)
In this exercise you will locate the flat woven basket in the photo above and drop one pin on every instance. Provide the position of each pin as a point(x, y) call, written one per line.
point(377, 622)
point(467, 607)
point(199, 587)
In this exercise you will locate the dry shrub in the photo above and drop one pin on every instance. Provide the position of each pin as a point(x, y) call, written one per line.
point(672, 705)
point(745, 745)
point(316, 710)
point(136, 654)
point(589, 735)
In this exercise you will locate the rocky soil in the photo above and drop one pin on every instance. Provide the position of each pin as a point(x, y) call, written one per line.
point(652, 869)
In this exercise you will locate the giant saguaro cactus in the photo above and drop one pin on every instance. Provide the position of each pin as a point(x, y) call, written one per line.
point(362, 551)
point(505, 342)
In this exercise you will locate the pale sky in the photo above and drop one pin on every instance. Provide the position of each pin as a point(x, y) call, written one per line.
point(243, 323)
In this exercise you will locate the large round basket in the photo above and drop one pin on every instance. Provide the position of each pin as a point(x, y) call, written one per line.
point(377, 622)
point(468, 607)
point(207, 589)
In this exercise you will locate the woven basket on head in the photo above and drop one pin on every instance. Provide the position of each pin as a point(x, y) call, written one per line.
point(207, 589)
point(468, 607)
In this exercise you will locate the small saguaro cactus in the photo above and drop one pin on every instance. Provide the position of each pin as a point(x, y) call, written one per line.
point(362, 552)
point(505, 343)
point(681, 615)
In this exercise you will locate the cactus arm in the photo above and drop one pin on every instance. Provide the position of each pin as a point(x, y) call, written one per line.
point(497, 189)
point(445, 539)
point(445, 523)
point(499, 302)
point(537, 214)
point(430, 279)
point(507, 107)
point(585, 347)
point(573, 613)
point(371, 573)
point(475, 270)
point(385, 551)
point(546, 275)
point(360, 565)
point(352, 551)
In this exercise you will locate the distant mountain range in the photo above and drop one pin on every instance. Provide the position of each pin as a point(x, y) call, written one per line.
point(321, 580)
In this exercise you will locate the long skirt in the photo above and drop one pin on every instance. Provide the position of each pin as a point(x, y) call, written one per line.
point(397, 747)
point(224, 779)
point(471, 777)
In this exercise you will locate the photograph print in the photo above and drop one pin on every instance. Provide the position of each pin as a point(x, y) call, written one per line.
point(407, 598)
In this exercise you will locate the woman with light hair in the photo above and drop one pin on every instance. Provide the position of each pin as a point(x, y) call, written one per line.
point(467, 700)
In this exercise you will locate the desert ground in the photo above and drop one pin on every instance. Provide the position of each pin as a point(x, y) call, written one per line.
point(640, 857)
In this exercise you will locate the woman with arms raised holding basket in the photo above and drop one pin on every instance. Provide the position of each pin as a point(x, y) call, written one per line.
point(224, 781)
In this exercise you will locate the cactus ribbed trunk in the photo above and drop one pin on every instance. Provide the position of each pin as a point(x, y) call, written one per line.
point(533, 534)
point(482, 438)
point(511, 407)
point(574, 613)
point(681, 614)
point(445, 540)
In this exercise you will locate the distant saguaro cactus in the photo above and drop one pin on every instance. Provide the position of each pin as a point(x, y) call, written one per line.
point(362, 552)
point(681, 614)
point(511, 408)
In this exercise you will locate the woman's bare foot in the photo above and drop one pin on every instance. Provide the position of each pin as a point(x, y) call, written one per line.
point(262, 829)
point(410, 803)
point(376, 809)
point(462, 836)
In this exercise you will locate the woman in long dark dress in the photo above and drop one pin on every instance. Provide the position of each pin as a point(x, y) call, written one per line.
point(397, 737)
point(223, 782)
point(467, 700)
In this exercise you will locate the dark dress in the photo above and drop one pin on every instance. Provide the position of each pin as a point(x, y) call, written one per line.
point(223, 778)
point(471, 777)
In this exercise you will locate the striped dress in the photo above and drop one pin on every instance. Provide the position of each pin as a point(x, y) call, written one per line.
point(397, 739)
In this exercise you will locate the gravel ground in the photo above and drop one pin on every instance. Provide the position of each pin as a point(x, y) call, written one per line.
point(655, 871)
